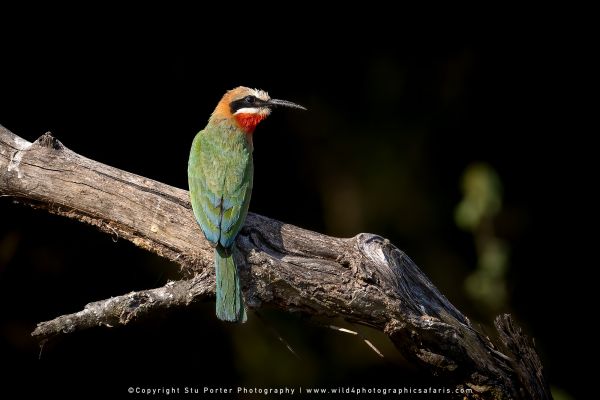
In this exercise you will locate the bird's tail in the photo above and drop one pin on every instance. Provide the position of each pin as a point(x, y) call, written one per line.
point(230, 300)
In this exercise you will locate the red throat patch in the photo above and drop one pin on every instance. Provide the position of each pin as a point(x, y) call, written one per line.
point(248, 122)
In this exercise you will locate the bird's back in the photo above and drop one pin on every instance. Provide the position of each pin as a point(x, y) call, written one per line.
point(220, 173)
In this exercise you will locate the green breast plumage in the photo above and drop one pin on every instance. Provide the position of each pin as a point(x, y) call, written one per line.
point(220, 173)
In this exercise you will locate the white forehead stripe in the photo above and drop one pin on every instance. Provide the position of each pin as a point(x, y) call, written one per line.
point(260, 94)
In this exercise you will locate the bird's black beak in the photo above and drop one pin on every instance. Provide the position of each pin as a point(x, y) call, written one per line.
point(272, 103)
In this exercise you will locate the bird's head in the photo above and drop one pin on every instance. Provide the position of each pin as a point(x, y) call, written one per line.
point(247, 107)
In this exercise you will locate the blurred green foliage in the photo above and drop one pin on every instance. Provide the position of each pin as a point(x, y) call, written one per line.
point(481, 203)
point(482, 197)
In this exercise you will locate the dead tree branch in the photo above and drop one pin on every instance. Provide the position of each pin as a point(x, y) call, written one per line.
point(364, 279)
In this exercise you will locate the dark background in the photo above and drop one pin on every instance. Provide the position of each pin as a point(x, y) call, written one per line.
point(395, 117)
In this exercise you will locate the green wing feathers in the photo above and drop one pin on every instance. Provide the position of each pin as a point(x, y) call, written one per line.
point(220, 173)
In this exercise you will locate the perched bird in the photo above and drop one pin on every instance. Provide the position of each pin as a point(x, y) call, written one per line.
point(220, 174)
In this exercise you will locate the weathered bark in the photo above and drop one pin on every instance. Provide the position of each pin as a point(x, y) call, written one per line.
point(364, 279)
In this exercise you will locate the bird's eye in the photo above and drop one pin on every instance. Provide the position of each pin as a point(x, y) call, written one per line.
point(250, 99)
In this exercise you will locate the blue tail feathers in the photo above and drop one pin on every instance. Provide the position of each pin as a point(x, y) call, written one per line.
point(230, 300)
